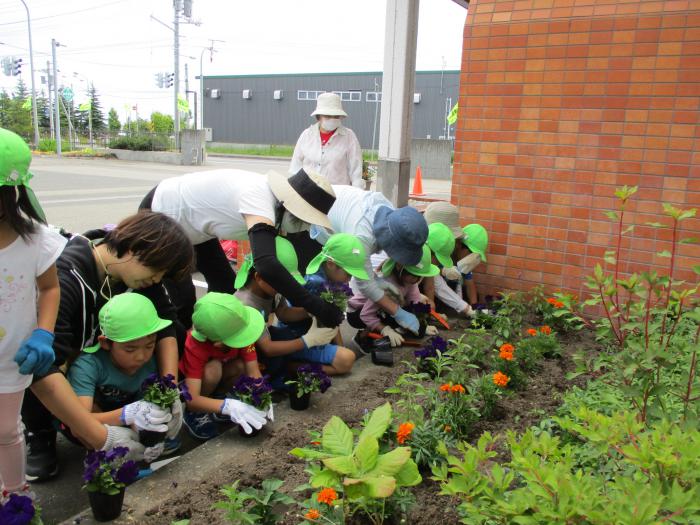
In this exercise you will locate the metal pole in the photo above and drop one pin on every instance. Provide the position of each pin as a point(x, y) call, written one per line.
point(90, 87)
point(376, 109)
point(201, 86)
point(31, 66)
point(48, 84)
point(57, 115)
point(187, 91)
point(176, 83)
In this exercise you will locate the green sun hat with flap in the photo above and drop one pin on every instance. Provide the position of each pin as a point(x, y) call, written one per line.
point(476, 239)
point(15, 158)
point(424, 268)
point(285, 255)
point(221, 317)
point(442, 243)
point(126, 317)
point(346, 251)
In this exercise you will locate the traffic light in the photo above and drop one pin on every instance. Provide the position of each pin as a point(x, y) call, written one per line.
point(169, 80)
point(159, 80)
point(16, 67)
point(7, 66)
point(187, 8)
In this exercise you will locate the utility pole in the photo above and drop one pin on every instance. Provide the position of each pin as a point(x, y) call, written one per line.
point(31, 66)
point(201, 77)
point(176, 83)
point(57, 115)
point(48, 85)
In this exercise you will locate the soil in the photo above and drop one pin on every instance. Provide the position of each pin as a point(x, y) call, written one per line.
point(350, 401)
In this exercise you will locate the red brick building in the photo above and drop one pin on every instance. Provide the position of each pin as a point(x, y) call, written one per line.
point(561, 102)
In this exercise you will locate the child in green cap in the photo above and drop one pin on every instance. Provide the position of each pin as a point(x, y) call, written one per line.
point(218, 350)
point(107, 377)
point(277, 347)
point(404, 280)
point(442, 243)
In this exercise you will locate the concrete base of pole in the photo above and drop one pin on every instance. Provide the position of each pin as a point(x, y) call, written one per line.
point(393, 180)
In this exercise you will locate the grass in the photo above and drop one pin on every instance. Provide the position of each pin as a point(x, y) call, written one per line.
point(270, 151)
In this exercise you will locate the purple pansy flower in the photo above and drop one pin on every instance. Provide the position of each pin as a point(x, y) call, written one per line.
point(18, 510)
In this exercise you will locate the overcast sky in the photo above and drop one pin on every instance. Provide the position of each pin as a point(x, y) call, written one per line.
point(118, 47)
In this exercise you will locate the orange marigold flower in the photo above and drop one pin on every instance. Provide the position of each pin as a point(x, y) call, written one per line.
point(315, 443)
point(558, 304)
point(506, 351)
point(448, 428)
point(506, 356)
point(458, 389)
point(500, 379)
point(327, 496)
point(546, 330)
point(507, 347)
point(532, 332)
point(446, 387)
point(313, 514)
point(552, 300)
point(404, 432)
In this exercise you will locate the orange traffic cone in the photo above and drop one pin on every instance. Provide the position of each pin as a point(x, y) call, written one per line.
point(418, 183)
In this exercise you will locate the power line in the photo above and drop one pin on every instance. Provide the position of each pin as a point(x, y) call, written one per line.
point(64, 14)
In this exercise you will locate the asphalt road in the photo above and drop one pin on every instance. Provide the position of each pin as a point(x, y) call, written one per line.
point(81, 194)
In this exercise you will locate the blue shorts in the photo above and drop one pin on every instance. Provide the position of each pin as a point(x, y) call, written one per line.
point(323, 354)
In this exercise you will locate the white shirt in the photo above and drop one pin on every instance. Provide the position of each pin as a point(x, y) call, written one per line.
point(211, 204)
point(353, 212)
point(20, 264)
point(339, 160)
point(447, 295)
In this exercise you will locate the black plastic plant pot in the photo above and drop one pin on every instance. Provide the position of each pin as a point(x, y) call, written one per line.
point(299, 403)
point(422, 326)
point(150, 438)
point(106, 507)
point(383, 357)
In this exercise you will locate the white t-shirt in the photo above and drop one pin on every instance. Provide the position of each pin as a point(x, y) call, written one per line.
point(211, 204)
point(20, 264)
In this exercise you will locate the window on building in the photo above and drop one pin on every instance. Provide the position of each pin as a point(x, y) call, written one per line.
point(373, 96)
point(304, 94)
point(349, 96)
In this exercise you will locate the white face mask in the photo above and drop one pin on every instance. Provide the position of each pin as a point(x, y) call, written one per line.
point(292, 224)
point(330, 124)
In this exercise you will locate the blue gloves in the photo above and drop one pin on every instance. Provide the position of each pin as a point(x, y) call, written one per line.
point(36, 356)
point(407, 320)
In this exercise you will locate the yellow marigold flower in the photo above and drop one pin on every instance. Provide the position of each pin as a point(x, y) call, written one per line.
point(546, 330)
point(457, 389)
point(500, 379)
point(313, 514)
point(532, 332)
point(327, 496)
point(404, 432)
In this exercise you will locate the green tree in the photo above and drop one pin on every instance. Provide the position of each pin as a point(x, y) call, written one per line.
point(43, 109)
point(98, 118)
point(113, 121)
point(20, 118)
point(162, 123)
point(5, 105)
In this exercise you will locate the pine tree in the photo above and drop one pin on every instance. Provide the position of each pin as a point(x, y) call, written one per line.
point(98, 118)
point(43, 109)
point(5, 105)
point(20, 118)
point(113, 121)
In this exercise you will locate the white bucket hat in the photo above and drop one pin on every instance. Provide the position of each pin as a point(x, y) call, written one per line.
point(447, 214)
point(329, 104)
point(308, 197)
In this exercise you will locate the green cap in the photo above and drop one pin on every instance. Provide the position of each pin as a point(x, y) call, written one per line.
point(476, 239)
point(346, 251)
point(442, 243)
point(285, 254)
point(221, 317)
point(126, 317)
point(15, 157)
point(424, 268)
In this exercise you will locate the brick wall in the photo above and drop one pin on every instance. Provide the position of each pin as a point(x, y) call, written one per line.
point(561, 102)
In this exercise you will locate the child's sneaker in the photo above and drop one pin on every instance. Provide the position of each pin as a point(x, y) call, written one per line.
point(200, 425)
point(170, 446)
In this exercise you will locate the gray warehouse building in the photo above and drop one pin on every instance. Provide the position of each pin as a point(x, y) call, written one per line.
point(275, 109)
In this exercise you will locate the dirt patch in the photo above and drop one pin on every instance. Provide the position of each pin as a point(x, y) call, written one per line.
point(350, 401)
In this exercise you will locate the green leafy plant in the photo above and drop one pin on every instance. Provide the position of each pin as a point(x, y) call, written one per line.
point(654, 477)
point(364, 475)
point(254, 506)
point(235, 505)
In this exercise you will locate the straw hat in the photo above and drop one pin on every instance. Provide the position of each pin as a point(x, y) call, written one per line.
point(329, 104)
point(445, 213)
point(308, 197)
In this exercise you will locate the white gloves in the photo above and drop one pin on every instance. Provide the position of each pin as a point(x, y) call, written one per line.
point(146, 416)
point(318, 336)
point(469, 311)
point(124, 437)
point(468, 263)
point(175, 424)
point(451, 273)
point(271, 414)
point(245, 415)
point(152, 453)
point(431, 330)
point(395, 338)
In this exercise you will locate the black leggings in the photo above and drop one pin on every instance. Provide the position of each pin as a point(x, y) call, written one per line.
point(211, 260)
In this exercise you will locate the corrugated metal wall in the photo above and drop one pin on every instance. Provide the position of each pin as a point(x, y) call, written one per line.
point(263, 120)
